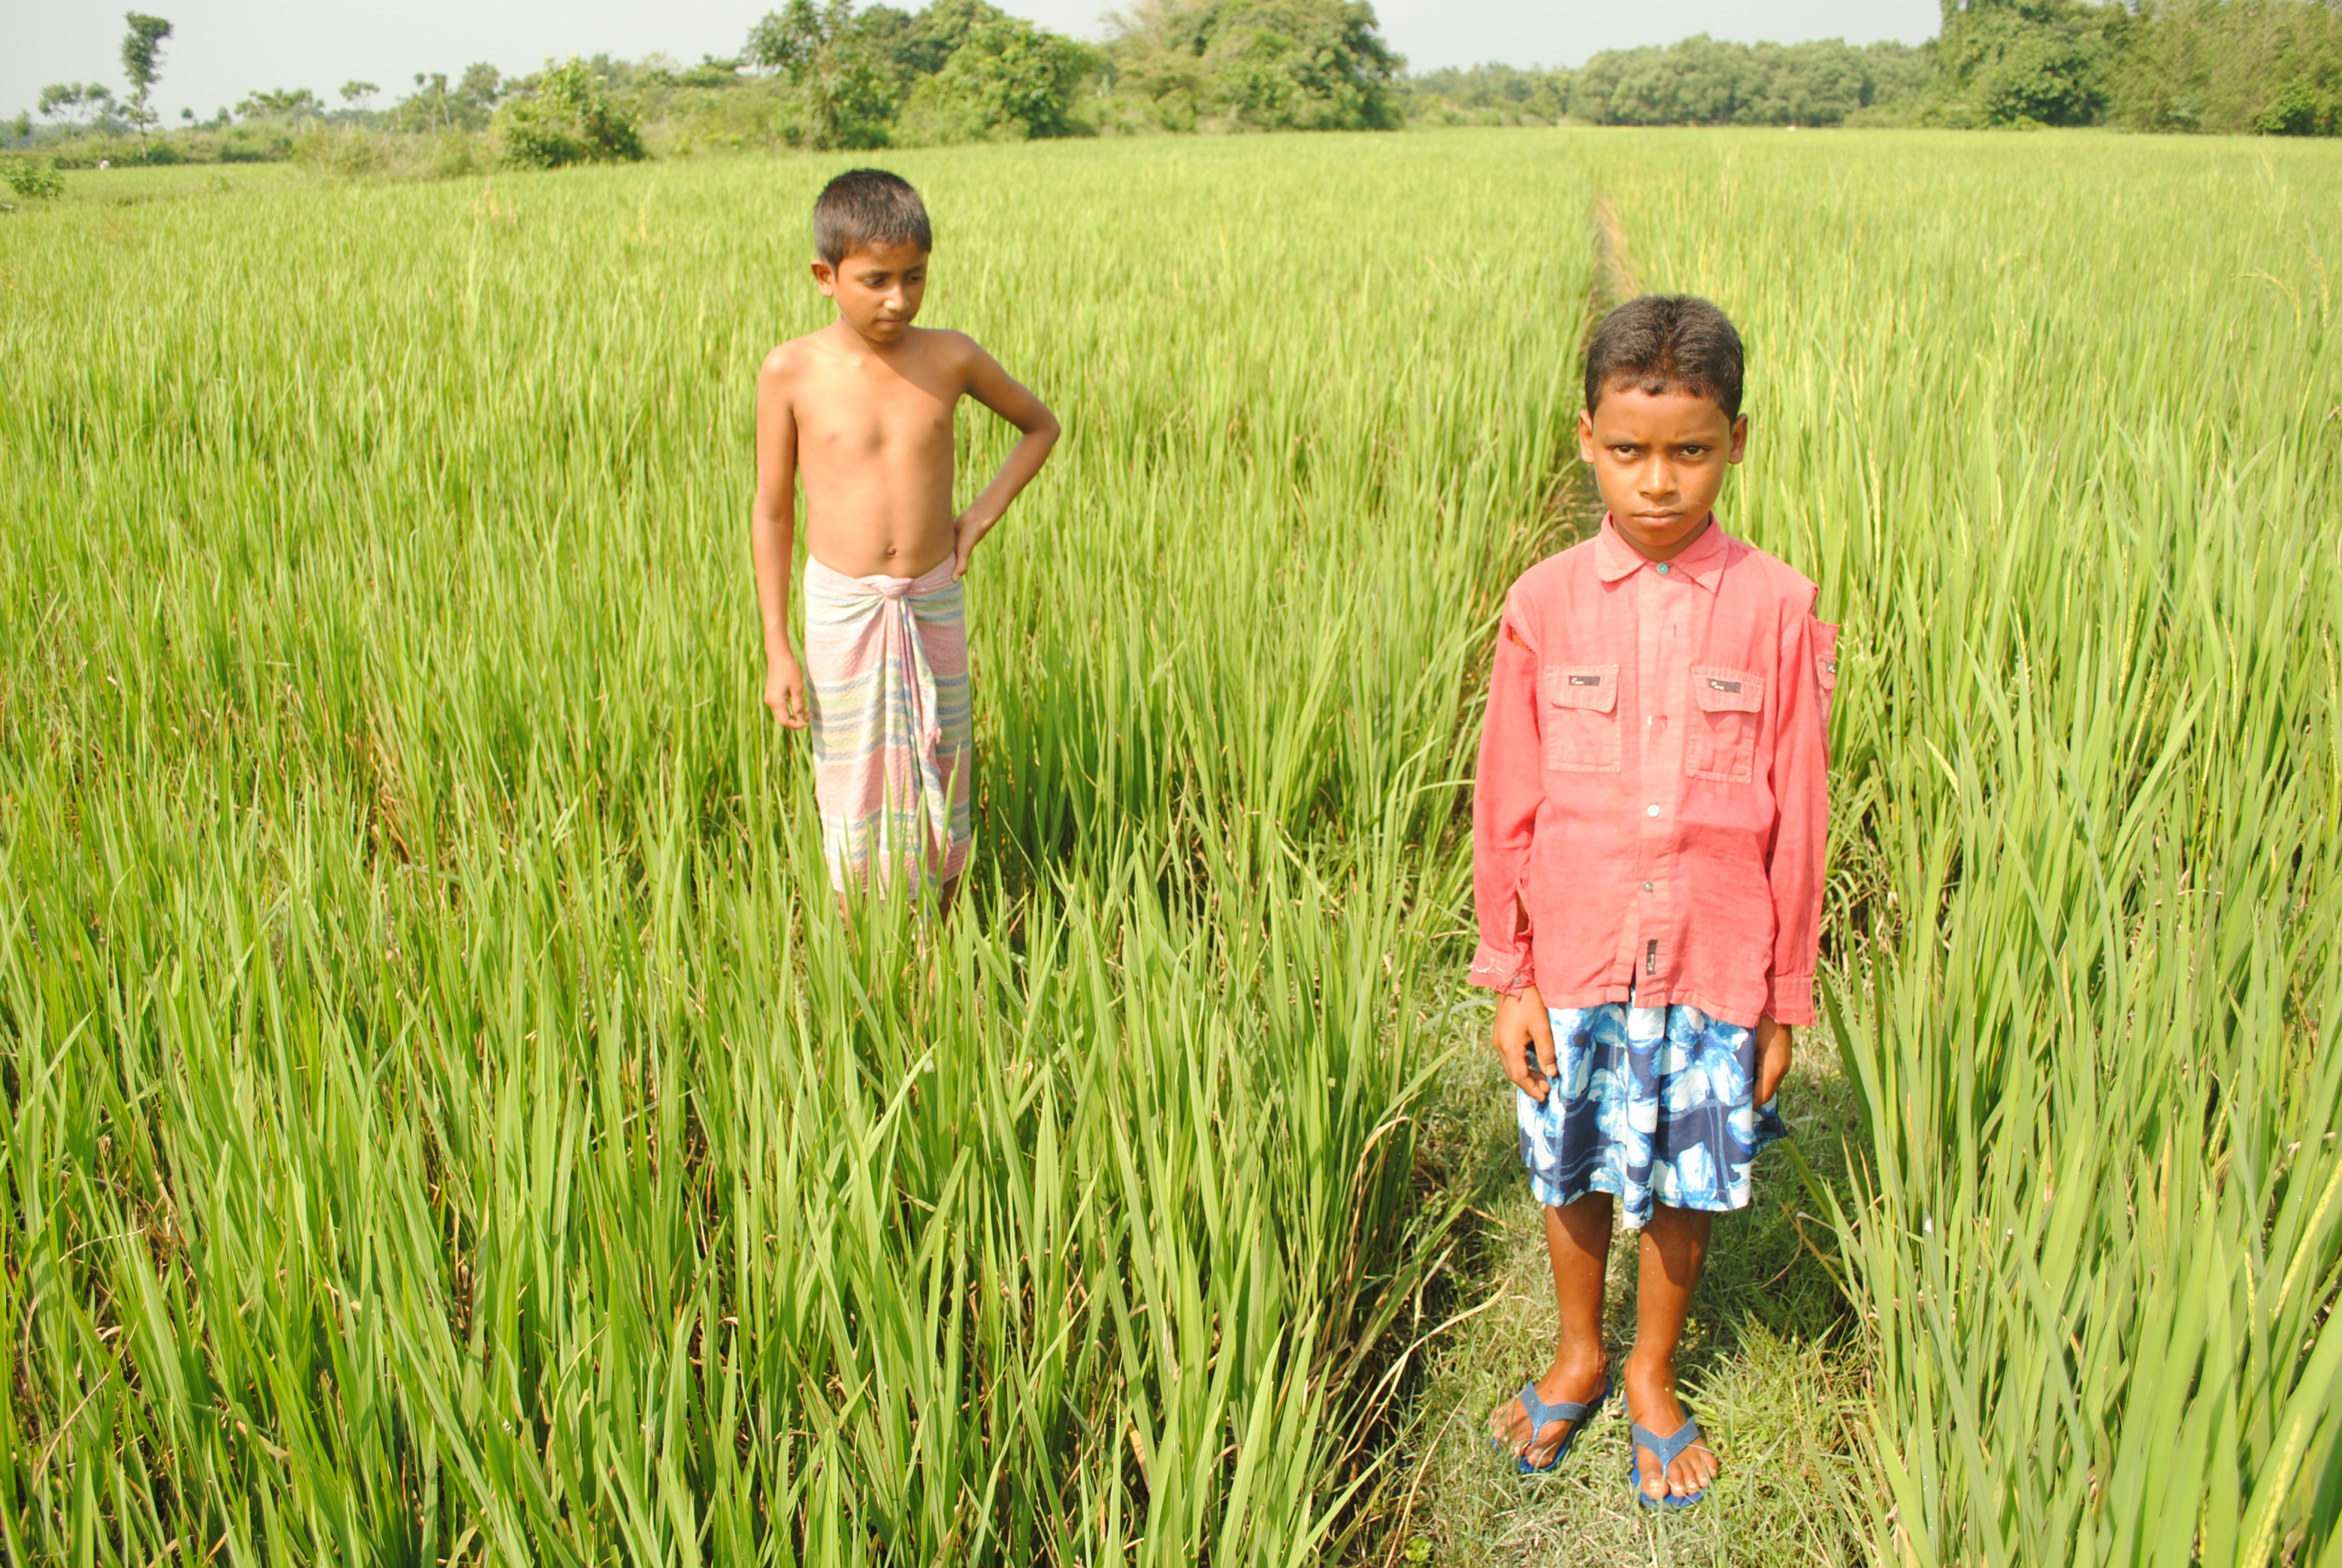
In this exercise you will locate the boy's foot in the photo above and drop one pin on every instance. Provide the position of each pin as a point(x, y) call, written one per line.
point(1651, 1401)
point(1571, 1382)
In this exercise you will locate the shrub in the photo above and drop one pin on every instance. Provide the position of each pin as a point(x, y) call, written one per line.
point(570, 117)
point(34, 182)
point(453, 153)
point(2298, 109)
point(342, 150)
point(256, 149)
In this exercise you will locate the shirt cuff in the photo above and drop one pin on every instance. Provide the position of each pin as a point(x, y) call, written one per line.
point(1503, 970)
point(1791, 1000)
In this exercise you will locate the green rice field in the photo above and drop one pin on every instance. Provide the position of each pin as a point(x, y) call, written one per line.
point(447, 1120)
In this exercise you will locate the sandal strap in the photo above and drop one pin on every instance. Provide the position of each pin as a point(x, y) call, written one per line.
point(1667, 1448)
point(1542, 1415)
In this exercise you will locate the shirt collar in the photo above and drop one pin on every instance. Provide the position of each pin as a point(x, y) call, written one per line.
point(1703, 562)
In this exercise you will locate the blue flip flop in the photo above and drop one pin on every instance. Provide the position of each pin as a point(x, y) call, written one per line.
point(1542, 1415)
point(1667, 1448)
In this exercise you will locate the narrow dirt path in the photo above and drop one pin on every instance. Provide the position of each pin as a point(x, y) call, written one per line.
point(1769, 1358)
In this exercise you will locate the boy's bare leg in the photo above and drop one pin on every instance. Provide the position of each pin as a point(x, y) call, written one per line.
point(1578, 1243)
point(1674, 1246)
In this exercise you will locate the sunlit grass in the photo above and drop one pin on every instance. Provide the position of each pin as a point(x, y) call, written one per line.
point(446, 1119)
point(2056, 422)
point(447, 1116)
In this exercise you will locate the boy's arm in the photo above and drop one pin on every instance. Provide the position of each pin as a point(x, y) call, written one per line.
point(772, 537)
point(1506, 792)
point(1000, 392)
point(1795, 864)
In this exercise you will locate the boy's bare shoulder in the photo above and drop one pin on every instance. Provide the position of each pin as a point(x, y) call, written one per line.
point(790, 360)
point(948, 346)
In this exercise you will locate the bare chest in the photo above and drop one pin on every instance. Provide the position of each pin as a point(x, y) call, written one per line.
point(857, 424)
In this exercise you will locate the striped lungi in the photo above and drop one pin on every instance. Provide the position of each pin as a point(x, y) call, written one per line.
point(892, 743)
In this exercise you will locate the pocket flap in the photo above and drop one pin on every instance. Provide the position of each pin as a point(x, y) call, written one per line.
point(1719, 691)
point(1592, 686)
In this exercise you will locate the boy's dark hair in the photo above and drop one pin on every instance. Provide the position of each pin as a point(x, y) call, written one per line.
point(1666, 343)
point(865, 207)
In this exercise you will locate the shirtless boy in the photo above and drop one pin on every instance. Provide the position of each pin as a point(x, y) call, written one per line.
point(863, 410)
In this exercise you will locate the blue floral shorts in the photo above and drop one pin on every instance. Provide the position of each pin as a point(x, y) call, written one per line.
point(1651, 1105)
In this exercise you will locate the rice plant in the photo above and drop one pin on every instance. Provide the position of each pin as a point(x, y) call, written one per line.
point(447, 1119)
point(2057, 424)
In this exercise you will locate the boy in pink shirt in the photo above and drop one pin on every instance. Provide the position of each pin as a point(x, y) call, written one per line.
point(1647, 836)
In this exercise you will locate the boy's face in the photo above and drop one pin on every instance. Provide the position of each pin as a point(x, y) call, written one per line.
point(1658, 458)
point(878, 287)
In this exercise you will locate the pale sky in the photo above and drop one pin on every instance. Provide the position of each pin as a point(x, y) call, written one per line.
point(223, 49)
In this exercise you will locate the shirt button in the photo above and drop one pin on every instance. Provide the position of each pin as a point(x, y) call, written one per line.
point(1650, 810)
point(1663, 568)
point(1647, 887)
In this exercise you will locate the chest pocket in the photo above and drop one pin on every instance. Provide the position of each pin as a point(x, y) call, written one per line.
point(1720, 743)
point(1580, 721)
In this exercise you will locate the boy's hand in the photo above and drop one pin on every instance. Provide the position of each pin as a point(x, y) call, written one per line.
point(785, 691)
point(967, 531)
point(1773, 1047)
point(1521, 1020)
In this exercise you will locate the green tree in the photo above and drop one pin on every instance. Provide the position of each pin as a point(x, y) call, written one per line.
point(1488, 92)
point(478, 93)
point(281, 104)
point(468, 106)
point(926, 42)
point(355, 93)
point(2232, 65)
point(76, 103)
point(847, 83)
point(2026, 62)
point(142, 63)
point(1704, 81)
point(1258, 64)
point(1006, 80)
point(566, 115)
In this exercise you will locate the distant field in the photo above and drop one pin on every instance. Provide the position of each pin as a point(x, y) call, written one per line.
point(446, 1119)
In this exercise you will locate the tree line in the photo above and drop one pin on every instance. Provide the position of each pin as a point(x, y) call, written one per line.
point(825, 74)
point(2238, 66)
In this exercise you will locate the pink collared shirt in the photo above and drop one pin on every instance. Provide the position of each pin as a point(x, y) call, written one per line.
point(1652, 784)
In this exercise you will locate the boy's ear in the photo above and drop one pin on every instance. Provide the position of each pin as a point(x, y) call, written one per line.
point(1739, 438)
point(825, 276)
point(1585, 436)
